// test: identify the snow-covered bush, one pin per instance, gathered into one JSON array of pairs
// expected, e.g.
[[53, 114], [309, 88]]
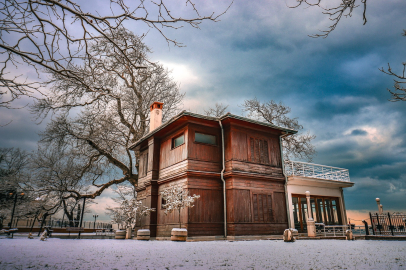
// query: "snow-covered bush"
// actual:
[[177, 198], [129, 208]]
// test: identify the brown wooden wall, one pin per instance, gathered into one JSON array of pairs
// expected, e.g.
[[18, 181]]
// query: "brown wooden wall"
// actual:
[[201, 151], [252, 150], [169, 156], [255, 206]]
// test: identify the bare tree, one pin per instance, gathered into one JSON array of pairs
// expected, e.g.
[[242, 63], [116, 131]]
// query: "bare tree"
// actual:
[[114, 99], [297, 145], [218, 110], [59, 176], [345, 9], [16, 195], [399, 91], [52, 35]]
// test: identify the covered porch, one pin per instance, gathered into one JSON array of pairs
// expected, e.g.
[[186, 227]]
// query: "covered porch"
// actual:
[[325, 184]]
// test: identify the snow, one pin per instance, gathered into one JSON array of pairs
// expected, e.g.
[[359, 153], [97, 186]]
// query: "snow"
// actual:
[[179, 230], [23, 253]]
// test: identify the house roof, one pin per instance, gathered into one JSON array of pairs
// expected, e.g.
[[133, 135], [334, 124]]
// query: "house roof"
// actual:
[[210, 118]]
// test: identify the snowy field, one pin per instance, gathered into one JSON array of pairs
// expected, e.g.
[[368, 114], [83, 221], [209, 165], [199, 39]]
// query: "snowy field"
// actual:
[[21, 253]]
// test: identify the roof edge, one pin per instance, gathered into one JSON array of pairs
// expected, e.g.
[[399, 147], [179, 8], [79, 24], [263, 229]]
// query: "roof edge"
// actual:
[[211, 118]]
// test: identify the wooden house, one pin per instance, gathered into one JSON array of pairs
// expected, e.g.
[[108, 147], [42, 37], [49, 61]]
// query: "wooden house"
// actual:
[[233, 163]]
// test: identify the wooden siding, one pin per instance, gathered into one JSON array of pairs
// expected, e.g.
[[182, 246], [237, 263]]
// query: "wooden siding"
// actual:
[[280, 207], [255, 206], [252, 151], [235, 165], [169, 156], [143, 164], [208, 208], [254, 180], [239, 205], [201, 151]]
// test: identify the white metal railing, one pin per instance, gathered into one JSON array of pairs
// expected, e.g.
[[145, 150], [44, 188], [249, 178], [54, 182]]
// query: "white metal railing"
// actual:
[[339, 230], [297, 168], [332, 230]]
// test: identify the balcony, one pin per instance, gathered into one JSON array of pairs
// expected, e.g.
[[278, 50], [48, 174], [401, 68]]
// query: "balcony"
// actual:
[[303, 169]]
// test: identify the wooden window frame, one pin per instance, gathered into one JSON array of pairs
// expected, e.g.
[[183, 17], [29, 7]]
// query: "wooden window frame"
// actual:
[[175, 137], [324, 212], [194, 139]]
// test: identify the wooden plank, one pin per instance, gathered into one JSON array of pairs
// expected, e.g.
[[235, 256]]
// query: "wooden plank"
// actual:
[[280, 207], [208, 208]]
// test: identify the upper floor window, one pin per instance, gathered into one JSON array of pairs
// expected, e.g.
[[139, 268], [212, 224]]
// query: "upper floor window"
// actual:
[[205, 138], [259, 151], [178, 140]]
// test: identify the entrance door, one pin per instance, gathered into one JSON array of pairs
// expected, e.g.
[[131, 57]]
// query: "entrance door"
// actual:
[[323, 210]]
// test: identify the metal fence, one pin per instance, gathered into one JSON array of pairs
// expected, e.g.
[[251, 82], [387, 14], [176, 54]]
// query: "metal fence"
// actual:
[[331, 230], [388, 224], [55, 223]]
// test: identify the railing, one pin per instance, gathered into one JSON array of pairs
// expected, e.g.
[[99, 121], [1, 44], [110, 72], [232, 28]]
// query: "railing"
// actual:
[[331, 230], [55, 223], [297, 168], [388, 224]]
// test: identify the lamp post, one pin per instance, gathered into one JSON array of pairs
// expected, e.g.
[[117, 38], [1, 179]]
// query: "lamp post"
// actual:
[[94, 224], [380, 207], [14, 206]]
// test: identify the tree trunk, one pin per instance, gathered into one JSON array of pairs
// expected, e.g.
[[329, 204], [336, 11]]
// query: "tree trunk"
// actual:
[[180, 224]]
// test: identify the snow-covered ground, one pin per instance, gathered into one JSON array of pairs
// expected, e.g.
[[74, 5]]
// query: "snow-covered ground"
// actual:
[[21, 253]]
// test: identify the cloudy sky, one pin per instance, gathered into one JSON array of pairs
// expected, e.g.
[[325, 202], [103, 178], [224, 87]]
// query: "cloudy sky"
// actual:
[[262, 49]]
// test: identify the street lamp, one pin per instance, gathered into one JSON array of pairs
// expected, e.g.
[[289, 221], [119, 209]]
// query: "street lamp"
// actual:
[[14, 206], [94, 225]]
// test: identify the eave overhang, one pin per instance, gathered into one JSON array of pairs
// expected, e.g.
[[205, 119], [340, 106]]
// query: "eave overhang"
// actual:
[[185, 115]]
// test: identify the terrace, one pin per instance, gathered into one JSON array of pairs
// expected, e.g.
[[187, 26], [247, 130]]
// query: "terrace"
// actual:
[[310, 170]]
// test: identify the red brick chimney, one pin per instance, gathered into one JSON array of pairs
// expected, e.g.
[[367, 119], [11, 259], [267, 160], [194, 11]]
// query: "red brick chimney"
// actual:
[[155, 115]]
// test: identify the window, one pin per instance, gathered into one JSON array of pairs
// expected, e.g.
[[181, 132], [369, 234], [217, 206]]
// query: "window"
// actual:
[[263, 212], [205, 138], [178, 141], [163, 202], [259, 151], [143, 168]]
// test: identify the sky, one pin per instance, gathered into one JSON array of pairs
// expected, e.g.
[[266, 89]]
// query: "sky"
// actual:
[[262, 49]]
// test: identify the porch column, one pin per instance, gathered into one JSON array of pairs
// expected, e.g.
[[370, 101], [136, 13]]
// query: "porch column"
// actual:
[[311, 226]]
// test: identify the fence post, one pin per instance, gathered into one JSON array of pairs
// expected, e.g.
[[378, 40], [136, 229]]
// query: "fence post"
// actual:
[[366, 227], [372, 223], [390, 224], [379, 225]]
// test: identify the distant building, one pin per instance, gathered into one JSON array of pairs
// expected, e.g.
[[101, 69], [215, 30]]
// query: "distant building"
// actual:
[[188, 151]]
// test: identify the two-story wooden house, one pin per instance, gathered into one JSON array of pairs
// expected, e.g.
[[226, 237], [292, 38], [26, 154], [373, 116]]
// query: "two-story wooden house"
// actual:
[[233, 163]]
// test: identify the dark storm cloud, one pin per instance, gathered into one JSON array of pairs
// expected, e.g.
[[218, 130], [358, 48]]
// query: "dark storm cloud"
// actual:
[[358, 132]]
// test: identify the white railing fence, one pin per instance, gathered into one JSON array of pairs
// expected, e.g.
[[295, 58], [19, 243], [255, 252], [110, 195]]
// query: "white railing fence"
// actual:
[[297, 168], [338, 230]]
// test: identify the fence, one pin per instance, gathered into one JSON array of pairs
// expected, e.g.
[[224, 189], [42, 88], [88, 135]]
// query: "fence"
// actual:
[[331, 230], [387, 224], [338, 230], [55, 223]]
